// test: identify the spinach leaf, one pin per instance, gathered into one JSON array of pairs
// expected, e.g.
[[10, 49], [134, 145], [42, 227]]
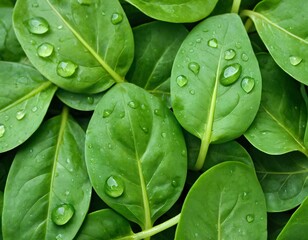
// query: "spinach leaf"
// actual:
[[25, 97], [280, 124], [48, 190], [234, 209], [216, 82], [81, 47], [280, 25], [131, 143]]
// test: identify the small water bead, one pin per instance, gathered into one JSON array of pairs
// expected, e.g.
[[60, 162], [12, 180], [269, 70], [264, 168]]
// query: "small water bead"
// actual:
[[250, 218], [35, 5], [66, 68], [132, 104], [244, 57], [198, 40], [145, 129], [2, 130], [294, 60], [247, 84], [37, 25], [238, 45], [192, 92], [60, 27], [107, 113], [84, 2], [62, 214], [116, 18], [230, 74], [34, 109], [229, 54], [194, 67], [45, 50], [20, 115], [181, 80], [90, 99], [213, 43], [114, 186], [59, 237], [122, 114], [164, 135]]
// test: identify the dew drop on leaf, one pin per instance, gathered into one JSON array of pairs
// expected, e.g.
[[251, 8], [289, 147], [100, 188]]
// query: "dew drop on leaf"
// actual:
[[45, 50], [244, 57], [84, 2], [194, 67], [37, 25], [192, 92], [250, 218], [107, 113], [35, 5], [181, 80], [238, 45], [230, 74], [2, 130], [62, 214], [164, 135], [116, 18], [229, 54], [90, 99], [294, 60], [247, 84], [20, 115], [66, 68], [114, 186], [213, 43], [34, 109], [145, 129], [132, 104]]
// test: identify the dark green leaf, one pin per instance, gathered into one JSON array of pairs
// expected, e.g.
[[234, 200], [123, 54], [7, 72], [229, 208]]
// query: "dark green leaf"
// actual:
[[25, 97], [131, 143], [47, 172]]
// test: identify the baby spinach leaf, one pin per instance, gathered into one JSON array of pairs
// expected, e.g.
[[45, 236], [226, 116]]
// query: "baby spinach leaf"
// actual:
[[283, 179], [81, 47], [280, 25], [25, 97], [48, 190], [175, 11], [280, 124], [216, 82], [131, 143], [226, 202], [104, 224]]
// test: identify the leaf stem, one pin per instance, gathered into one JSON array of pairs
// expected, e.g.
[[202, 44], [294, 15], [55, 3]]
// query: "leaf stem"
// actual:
[[235, 6], [248, 24], [202, 154]]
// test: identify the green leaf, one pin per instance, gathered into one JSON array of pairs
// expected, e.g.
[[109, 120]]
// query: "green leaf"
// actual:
[[104, 224], [25, 97], [48, 173], [297, 226], [175, 11], [131, 143], [280, 124], [207, 104], [283, 179], [280, 25], [90, 45], [226, 202]]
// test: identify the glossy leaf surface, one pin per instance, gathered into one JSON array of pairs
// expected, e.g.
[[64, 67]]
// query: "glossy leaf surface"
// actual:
[[25, 97], [47, 173], [280, 25], [175, 11], [91, 45], [226, 202], [133, 139], [280, 124]]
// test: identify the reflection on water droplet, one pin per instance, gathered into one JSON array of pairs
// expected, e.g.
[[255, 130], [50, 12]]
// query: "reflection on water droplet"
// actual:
[[294, 60], [90, 99], [181, 80], [132, 104], [116, 18], [244, 57], [250, 218], [229, 54], [84, 2], [114, 186], [37, 25], [62, 214], [194, 67], [2, 130], [20, 115], [45, 50], [230, 74], [213, 43], [107, 113], [66, 68], [247, 84]]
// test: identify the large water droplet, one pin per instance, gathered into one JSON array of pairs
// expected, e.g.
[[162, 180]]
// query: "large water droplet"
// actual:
[[181, 80], [116, 18], [45, 50], [294, 60], [229, 54], [66, 68], [62, 214], [2, 130], [114, 186], [107, 113], [247, 84], [230, 74], [37, 25], [244, 57], [84, 2], [194, 67], [213, 43], [20, 115], [250, 218]]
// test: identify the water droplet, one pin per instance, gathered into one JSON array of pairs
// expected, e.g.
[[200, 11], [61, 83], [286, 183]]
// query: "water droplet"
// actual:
[[34, 109], [250, 218], [84, 2], [181, 80], [229, 54], [122, 114], [145, 129], [107, 113], [164, 135], [174, 183], [35, 5], [132, 104], [244, 57], [238, 45], [32, 42], [198, 40], [114, 186], [66, 68], [230, 74], [6, 117], [245, 195], [62, 214], [59, 237], [60, 27], [20, 115], [213, 43], [90, 99], [294, 60], [116, 18], [45, 50], [37, 25], [2, 130], [194, 67], [192, 92], [247, 84]]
